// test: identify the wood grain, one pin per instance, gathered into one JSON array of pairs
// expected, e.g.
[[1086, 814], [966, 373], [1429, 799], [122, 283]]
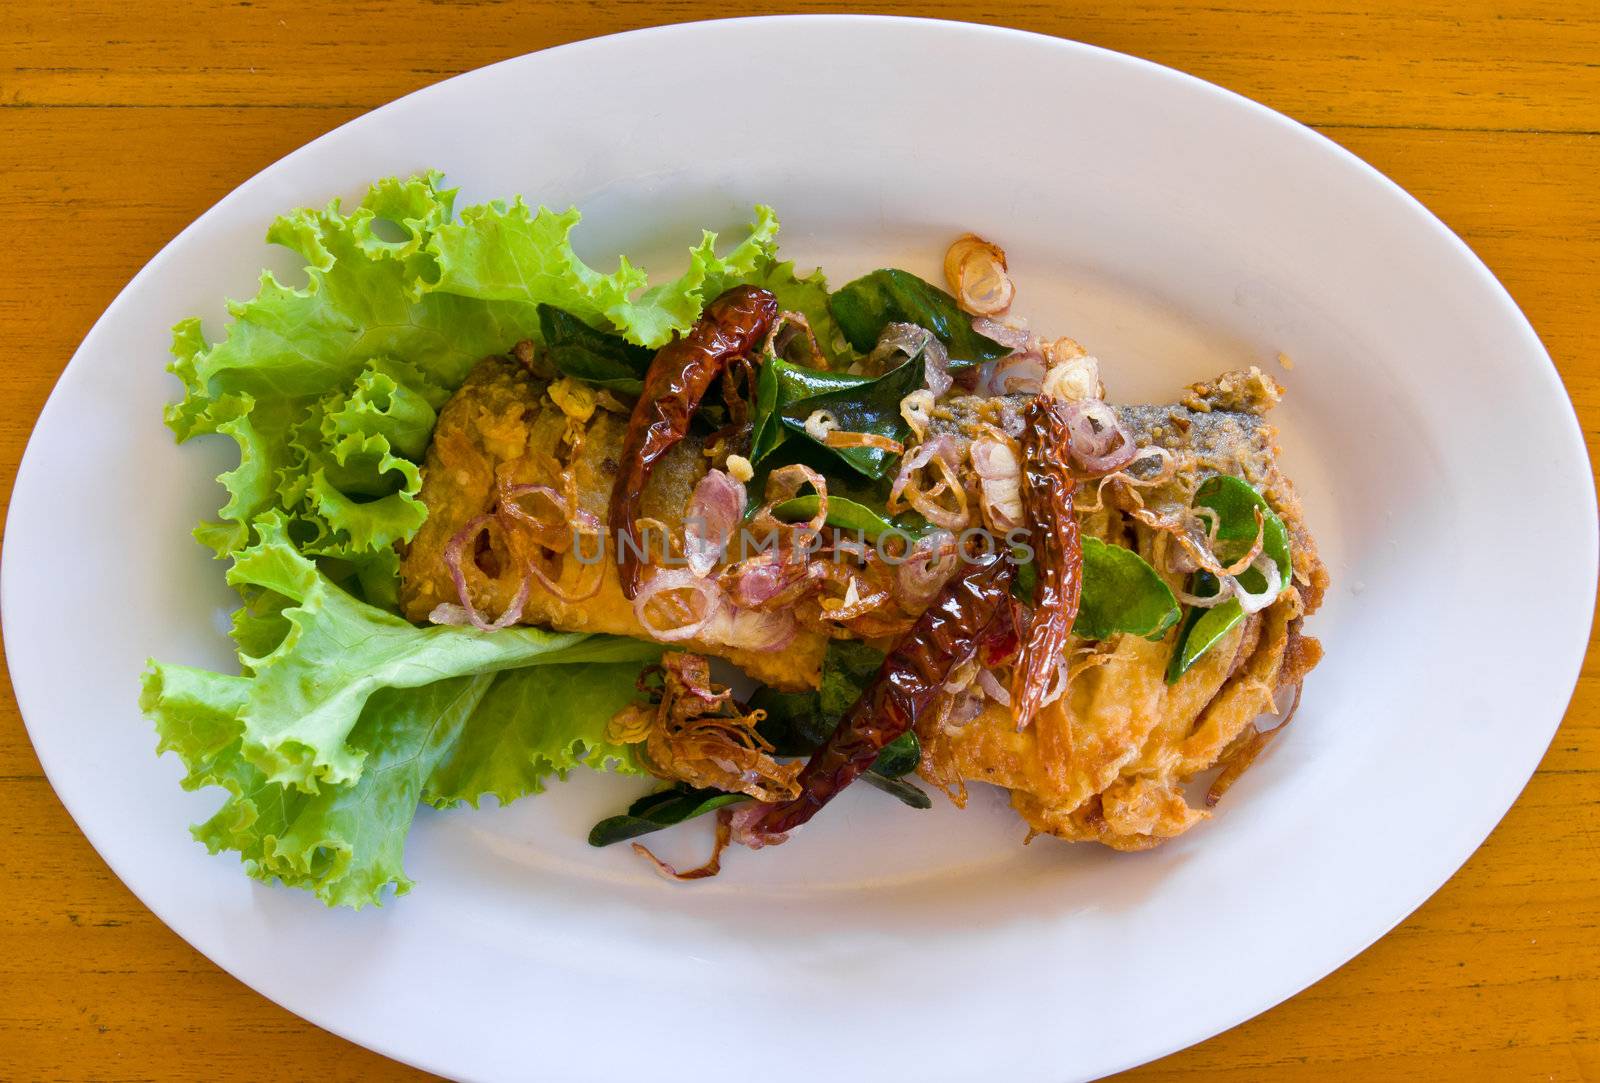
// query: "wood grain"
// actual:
[[120, 122]]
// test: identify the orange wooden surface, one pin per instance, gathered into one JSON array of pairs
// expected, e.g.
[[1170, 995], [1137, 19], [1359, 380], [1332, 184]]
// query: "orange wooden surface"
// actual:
[[120, 122]]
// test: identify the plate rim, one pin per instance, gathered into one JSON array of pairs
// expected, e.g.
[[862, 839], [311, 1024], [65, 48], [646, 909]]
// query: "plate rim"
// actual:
[[1575, 452]]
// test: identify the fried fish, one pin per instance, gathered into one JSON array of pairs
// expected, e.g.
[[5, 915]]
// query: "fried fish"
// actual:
[[506, 429]]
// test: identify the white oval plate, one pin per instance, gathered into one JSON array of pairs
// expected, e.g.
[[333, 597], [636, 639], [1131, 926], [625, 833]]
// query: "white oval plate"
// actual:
[[1175, 228]]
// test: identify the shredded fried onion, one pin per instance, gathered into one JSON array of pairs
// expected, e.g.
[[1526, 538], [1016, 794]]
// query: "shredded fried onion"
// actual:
[[791, 339], [1098, 441], [666, 607], [838, 438], [910, 487], [930, 561], [713, 864], [1183, 526], [957, 710], [715, 508], [854, 602], [1073, 379], [999, 481], [699, 735], [991, 685], [1018, 338], [570, 526], [467, 612], [1019, 373], [899, 342], [1256, 601]]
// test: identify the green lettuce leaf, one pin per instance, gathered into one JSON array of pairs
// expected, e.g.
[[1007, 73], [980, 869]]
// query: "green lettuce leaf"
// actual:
[[328, 389], [303, 699], [535, 723], [344, 717], [513, 254], [450, 741], [345, 843], [807, 295]]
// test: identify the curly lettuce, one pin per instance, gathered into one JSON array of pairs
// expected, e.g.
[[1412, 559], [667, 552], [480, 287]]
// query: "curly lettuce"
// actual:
[[329, 389], [344, 718]]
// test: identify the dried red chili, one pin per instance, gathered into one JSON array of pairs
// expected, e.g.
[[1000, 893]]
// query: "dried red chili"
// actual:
[[946, 635], [1002, 639], [1047, 495], [729, 329]]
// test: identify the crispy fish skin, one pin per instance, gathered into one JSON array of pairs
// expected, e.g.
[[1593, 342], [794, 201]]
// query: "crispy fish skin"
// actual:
[[503, 426], [1220, 427], [1109, 762]]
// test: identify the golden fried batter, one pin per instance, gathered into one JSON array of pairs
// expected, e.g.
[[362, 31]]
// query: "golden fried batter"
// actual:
[[504, 428], [1109, 761]]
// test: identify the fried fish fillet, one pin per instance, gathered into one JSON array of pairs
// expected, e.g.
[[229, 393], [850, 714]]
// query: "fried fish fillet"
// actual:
[[506, 427], [1110, 760]]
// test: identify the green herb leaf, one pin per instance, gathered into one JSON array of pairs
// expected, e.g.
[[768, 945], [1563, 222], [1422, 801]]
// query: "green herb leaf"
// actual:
[[842, 514], [797, 724], [595, 357], [898, 788], [1026, 581], [863, 308], [899, 757], [871, 407], [1235, 503], [782, 384], [1203, 628], [847, 669], [848, 515], [661, 809], [794, 724], [1121, 593]]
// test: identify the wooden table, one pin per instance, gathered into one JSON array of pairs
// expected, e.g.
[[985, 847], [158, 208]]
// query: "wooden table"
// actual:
[[120, 122]]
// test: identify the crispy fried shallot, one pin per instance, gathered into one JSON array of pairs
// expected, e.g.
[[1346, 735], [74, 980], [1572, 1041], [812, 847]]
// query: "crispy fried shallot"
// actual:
[[976, 272], [713, 864], [939, 456], [698, 734]]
